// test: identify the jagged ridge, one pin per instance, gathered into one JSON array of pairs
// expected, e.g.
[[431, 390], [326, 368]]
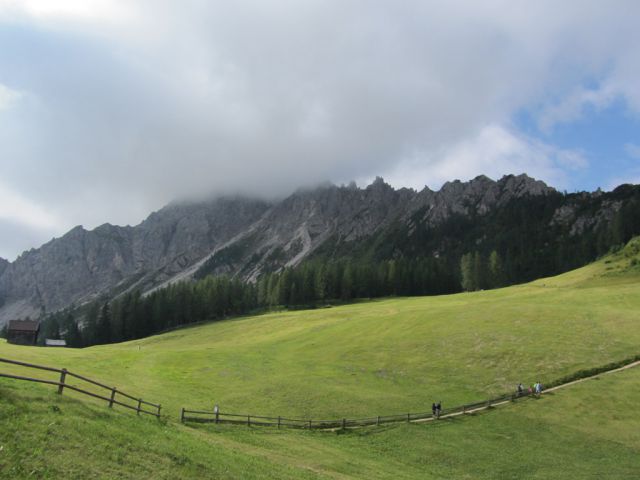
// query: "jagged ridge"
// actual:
[[244, 237]]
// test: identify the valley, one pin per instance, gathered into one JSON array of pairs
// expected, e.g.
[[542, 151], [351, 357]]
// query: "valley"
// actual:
[[368, 358]]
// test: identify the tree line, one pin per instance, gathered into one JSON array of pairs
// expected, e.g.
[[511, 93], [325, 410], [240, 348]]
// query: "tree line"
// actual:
[[515, 244], [132, 315], [479, 273]]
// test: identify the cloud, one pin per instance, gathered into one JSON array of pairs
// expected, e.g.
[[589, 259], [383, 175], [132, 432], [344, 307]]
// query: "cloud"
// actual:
[[573, 106], [65, 10], [495, 151], [19, 209], [23, 223], [8, 97], [126, 105]]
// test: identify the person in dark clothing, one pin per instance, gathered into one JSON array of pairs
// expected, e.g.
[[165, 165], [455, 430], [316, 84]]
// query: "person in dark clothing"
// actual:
[[438, 409], [434, 409]]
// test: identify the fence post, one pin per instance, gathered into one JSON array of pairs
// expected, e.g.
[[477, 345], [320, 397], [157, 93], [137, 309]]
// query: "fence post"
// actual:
[[139, 405], [217, 416], [159, 407], [344, 423], [248, 420], [309, 424], [378, 421], [113, 397], [464, 409], [408, 416], [63, 376], [182, 415]]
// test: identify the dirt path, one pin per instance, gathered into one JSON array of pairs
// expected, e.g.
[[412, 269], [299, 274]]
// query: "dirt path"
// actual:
[[634, 364], [552, 389], [454, 412]]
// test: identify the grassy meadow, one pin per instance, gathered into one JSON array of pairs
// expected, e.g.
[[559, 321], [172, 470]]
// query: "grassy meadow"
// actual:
[[366, 359], [589, 430]]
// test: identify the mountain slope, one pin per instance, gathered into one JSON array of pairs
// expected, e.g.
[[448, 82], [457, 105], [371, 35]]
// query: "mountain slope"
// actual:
[[521, 218], [587, 431], [84, 264], [381, 356], [388, 356]]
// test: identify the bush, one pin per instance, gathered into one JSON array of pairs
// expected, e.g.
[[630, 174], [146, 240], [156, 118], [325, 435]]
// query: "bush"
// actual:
[[593, 371]]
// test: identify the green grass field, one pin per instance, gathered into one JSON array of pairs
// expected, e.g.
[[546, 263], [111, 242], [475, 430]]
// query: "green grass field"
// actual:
[[380, 357]]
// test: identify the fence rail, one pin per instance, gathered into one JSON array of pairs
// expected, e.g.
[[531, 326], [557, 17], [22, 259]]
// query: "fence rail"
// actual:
[[63, 383], [206, 416], [220, 417]]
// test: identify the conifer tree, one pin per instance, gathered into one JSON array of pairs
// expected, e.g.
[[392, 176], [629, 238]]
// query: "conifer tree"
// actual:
[[320, 284], [479, 272], [103, 326], [496, 271], [72, 335], [467, 272]]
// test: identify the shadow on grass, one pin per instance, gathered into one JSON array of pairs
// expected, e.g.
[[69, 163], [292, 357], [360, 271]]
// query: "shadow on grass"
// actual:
[[34, 400]]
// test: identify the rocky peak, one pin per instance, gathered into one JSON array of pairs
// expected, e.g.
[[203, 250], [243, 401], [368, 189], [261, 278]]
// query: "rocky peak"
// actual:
[[521, 185], [379, 184], [476, 196], [76, 231], [451, 188]]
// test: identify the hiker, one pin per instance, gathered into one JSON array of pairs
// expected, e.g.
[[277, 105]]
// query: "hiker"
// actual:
[[438, 409], [520, 389], [434, 409], [538, 388], [530, 390]]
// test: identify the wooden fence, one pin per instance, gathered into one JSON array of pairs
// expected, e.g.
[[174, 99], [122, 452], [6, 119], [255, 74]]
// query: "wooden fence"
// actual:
[[203, 416], [62, 383]]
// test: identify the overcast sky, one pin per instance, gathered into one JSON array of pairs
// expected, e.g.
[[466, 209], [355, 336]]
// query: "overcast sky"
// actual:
[[110, 109]]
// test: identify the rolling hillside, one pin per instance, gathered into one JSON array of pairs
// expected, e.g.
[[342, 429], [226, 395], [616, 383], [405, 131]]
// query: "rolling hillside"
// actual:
[[381, 357], [587, 431]]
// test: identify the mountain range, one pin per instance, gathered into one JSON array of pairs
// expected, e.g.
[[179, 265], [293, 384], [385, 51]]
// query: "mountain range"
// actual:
[[245, 237]]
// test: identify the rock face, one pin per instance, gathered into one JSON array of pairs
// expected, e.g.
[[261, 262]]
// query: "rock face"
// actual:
[[3, 265], [83, 264], [243, 237], [294, 228], [478, 196]]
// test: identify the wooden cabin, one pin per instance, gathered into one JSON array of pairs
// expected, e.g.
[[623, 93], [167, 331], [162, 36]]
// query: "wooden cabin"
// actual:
[[23, 332]]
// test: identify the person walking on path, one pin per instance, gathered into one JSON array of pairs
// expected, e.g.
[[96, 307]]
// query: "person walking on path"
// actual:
[[434, 409], [438, 409], [538, 388]]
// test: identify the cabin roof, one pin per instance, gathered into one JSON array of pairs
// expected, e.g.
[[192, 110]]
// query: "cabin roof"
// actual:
[[24, 325]]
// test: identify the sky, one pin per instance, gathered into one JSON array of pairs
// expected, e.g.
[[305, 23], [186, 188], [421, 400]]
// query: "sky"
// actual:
[[110, 109]]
